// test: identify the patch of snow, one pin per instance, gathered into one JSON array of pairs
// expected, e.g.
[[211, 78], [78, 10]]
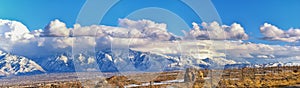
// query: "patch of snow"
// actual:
[[108, 57], [91, 60], [64, 59], [156, 83], [15, 65]]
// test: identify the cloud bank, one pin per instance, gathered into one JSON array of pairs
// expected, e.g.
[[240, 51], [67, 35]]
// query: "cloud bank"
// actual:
[[215, 31], [13, 30], [272, 32], [57, 38], [56, 29]]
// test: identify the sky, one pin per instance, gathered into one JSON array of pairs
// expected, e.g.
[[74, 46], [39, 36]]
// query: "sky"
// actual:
[[251, 14]]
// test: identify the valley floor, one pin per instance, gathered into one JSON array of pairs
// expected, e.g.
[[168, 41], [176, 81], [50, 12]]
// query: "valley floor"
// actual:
[[193, 78]]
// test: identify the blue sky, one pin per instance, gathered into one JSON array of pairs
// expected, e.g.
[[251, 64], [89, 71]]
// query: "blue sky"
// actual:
[[251, 14]]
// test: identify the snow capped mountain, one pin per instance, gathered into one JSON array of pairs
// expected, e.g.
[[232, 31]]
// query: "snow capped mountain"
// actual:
[[277, 64], [58, 63], [134, 46], [125, 60], [116, 60], [271, 64], [17, 65]]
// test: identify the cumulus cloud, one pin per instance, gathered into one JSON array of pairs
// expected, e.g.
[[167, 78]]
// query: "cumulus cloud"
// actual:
[[272, 32], [56, 28], [144, 25], [93, 30], [57, 38], [215, 31], [146, 28], [13, 30], [62, 42], [233, 50], [127, 29], [257, 53]]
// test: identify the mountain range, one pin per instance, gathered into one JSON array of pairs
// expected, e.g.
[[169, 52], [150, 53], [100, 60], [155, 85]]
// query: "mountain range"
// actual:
[[138, 46], [107, 61]]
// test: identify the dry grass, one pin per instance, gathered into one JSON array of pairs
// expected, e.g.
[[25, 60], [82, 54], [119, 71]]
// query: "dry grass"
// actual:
[[247, 77]]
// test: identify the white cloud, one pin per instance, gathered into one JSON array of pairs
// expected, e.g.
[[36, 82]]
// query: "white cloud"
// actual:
[[262, 51], [93, 30], [144, 25], [56, 37], [234, 50], [147, 28], [127, 29], [215, 31], [56, 28], [144, 32], [13, 30], [266, 56], [272, 32], [62, 42]]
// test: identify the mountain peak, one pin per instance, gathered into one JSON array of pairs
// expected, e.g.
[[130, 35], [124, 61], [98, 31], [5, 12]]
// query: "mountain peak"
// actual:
[[18, 65]]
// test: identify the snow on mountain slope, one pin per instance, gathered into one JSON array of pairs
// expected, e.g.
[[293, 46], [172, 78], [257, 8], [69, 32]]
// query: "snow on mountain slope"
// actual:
[[133, 60], [149, 47], [276, 64], [17, 65], [129, 60], [56, 63], [125, 60]]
